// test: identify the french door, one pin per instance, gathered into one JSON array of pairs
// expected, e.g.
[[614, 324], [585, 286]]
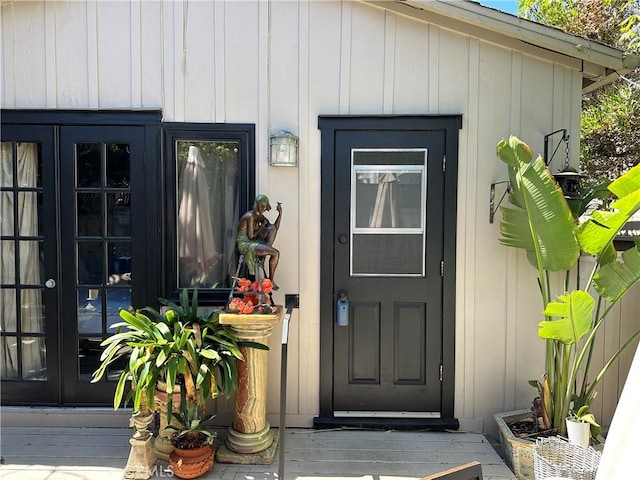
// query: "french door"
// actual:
[[69, 259]]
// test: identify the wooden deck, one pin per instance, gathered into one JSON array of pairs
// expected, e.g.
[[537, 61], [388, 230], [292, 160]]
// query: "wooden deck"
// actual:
[[59, 452]]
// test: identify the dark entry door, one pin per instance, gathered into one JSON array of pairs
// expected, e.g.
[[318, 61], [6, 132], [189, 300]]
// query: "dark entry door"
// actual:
[[388, 222], [391, 329]]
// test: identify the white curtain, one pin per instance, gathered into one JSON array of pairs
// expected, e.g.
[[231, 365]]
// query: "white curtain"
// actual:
[[385, 196], [196, 248], [30, 301]]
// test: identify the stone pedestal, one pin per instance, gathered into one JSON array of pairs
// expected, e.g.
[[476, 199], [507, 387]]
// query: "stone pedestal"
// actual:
[[250, 432], [142, 459]]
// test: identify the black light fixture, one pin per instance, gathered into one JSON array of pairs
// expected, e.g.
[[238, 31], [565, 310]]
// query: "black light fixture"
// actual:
[[568, 179], [492, 198]]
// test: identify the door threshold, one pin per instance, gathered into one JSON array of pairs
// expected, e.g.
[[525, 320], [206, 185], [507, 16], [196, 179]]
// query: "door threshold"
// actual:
[[370, 414], [392, 423]]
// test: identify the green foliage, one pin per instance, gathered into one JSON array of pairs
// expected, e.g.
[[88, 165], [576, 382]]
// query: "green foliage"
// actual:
[[583, 415], [610, 130], [180, 347], [610, 126], [541, 223], [600, 20], [192, 432]]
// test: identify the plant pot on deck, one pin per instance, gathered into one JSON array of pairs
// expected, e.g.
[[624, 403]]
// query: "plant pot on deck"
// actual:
[[191, 463], [518, 452]]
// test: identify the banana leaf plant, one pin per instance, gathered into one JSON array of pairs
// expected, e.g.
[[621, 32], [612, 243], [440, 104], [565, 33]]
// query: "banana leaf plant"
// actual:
[[180, 347], [541, 222]]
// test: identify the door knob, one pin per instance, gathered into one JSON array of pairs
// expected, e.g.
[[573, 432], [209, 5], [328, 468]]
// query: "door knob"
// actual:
[[342, 239], [50, 283]]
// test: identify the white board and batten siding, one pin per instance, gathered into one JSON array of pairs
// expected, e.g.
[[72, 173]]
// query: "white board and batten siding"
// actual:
[[280, 64]]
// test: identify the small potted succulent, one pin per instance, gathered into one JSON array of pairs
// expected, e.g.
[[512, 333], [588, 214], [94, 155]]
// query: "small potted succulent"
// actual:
[[192, 441]]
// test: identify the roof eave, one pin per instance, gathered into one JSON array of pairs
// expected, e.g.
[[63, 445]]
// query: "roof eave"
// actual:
[[611, 60]]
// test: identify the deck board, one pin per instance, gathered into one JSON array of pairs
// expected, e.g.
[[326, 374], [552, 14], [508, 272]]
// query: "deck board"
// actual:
[[75, 453]]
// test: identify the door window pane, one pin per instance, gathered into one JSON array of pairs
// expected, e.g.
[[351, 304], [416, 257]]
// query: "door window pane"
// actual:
[[118, 215], [118, 160], [33, 358], [208, 207], [88, 165], [32, 314], [388, 212], [8, 262], [10, 370], [89, 351], [89, 304], [89, 214], [28, 208], [90, 263]]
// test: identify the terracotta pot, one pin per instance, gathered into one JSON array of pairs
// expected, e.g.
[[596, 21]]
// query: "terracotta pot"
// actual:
[[191, 463]]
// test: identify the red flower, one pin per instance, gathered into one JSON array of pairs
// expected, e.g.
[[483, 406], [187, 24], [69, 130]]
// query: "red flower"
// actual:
[[243, 285], [248, 308], [254, 297], [251, 297], [267, 286]]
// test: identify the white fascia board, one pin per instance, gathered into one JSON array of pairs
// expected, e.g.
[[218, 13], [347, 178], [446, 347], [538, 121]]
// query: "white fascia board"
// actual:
[[526, 31]]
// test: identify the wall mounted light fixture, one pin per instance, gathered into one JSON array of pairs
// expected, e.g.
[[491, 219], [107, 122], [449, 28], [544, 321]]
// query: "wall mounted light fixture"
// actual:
[[568, 179], [283, 149]]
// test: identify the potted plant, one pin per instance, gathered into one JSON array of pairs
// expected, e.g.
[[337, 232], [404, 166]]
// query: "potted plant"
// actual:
[[179, 351], [581, 426], [192, 441], [541, 221]]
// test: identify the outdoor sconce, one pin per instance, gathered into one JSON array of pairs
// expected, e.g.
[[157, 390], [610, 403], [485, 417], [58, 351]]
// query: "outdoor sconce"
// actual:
[[283, 149], [568, 179]]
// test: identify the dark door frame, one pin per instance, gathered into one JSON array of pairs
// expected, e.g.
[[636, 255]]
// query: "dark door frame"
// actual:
[[329, 125], [146, 251]]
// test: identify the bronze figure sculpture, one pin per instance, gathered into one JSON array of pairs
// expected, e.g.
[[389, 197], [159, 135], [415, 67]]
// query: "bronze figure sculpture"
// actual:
[[256, 236]]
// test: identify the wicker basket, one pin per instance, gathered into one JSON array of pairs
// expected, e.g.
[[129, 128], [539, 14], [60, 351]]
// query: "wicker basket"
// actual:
[[555, 457]]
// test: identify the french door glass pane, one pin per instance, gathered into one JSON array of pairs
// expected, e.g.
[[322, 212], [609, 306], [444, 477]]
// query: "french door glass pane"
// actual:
[[208, 203], [89, 214], [88, 164]]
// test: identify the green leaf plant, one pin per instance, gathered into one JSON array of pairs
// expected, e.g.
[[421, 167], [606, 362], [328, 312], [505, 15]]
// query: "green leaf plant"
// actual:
[[541, 221], [583, 415], [178, 350]]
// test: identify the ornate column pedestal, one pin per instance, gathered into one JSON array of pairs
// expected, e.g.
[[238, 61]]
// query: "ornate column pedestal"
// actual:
[[250, 439], [142, 459]]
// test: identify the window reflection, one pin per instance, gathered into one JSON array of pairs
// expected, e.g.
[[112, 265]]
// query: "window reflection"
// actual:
[[208, 204]]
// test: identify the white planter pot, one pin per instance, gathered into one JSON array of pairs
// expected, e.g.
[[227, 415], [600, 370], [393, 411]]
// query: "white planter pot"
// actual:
[[579, 433]]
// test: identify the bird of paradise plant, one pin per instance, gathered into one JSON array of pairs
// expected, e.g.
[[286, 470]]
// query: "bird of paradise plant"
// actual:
[[541, 222]]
